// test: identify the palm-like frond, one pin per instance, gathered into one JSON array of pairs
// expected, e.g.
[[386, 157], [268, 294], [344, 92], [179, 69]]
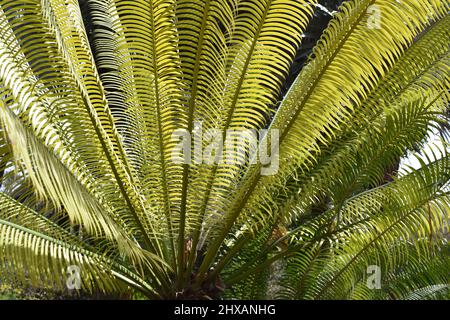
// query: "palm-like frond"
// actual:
[[91, 95]]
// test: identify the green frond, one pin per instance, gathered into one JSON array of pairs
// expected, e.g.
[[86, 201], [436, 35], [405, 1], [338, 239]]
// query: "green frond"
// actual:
[[256, 65], [73, 88], [31, 257], [303, 189], [303, 111], [143, 82], [95, 96], [38, 250], [418, 278], [416, 217], [53, 181]]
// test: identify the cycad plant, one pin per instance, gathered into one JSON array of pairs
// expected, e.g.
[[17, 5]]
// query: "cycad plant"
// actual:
[[94, 92]]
